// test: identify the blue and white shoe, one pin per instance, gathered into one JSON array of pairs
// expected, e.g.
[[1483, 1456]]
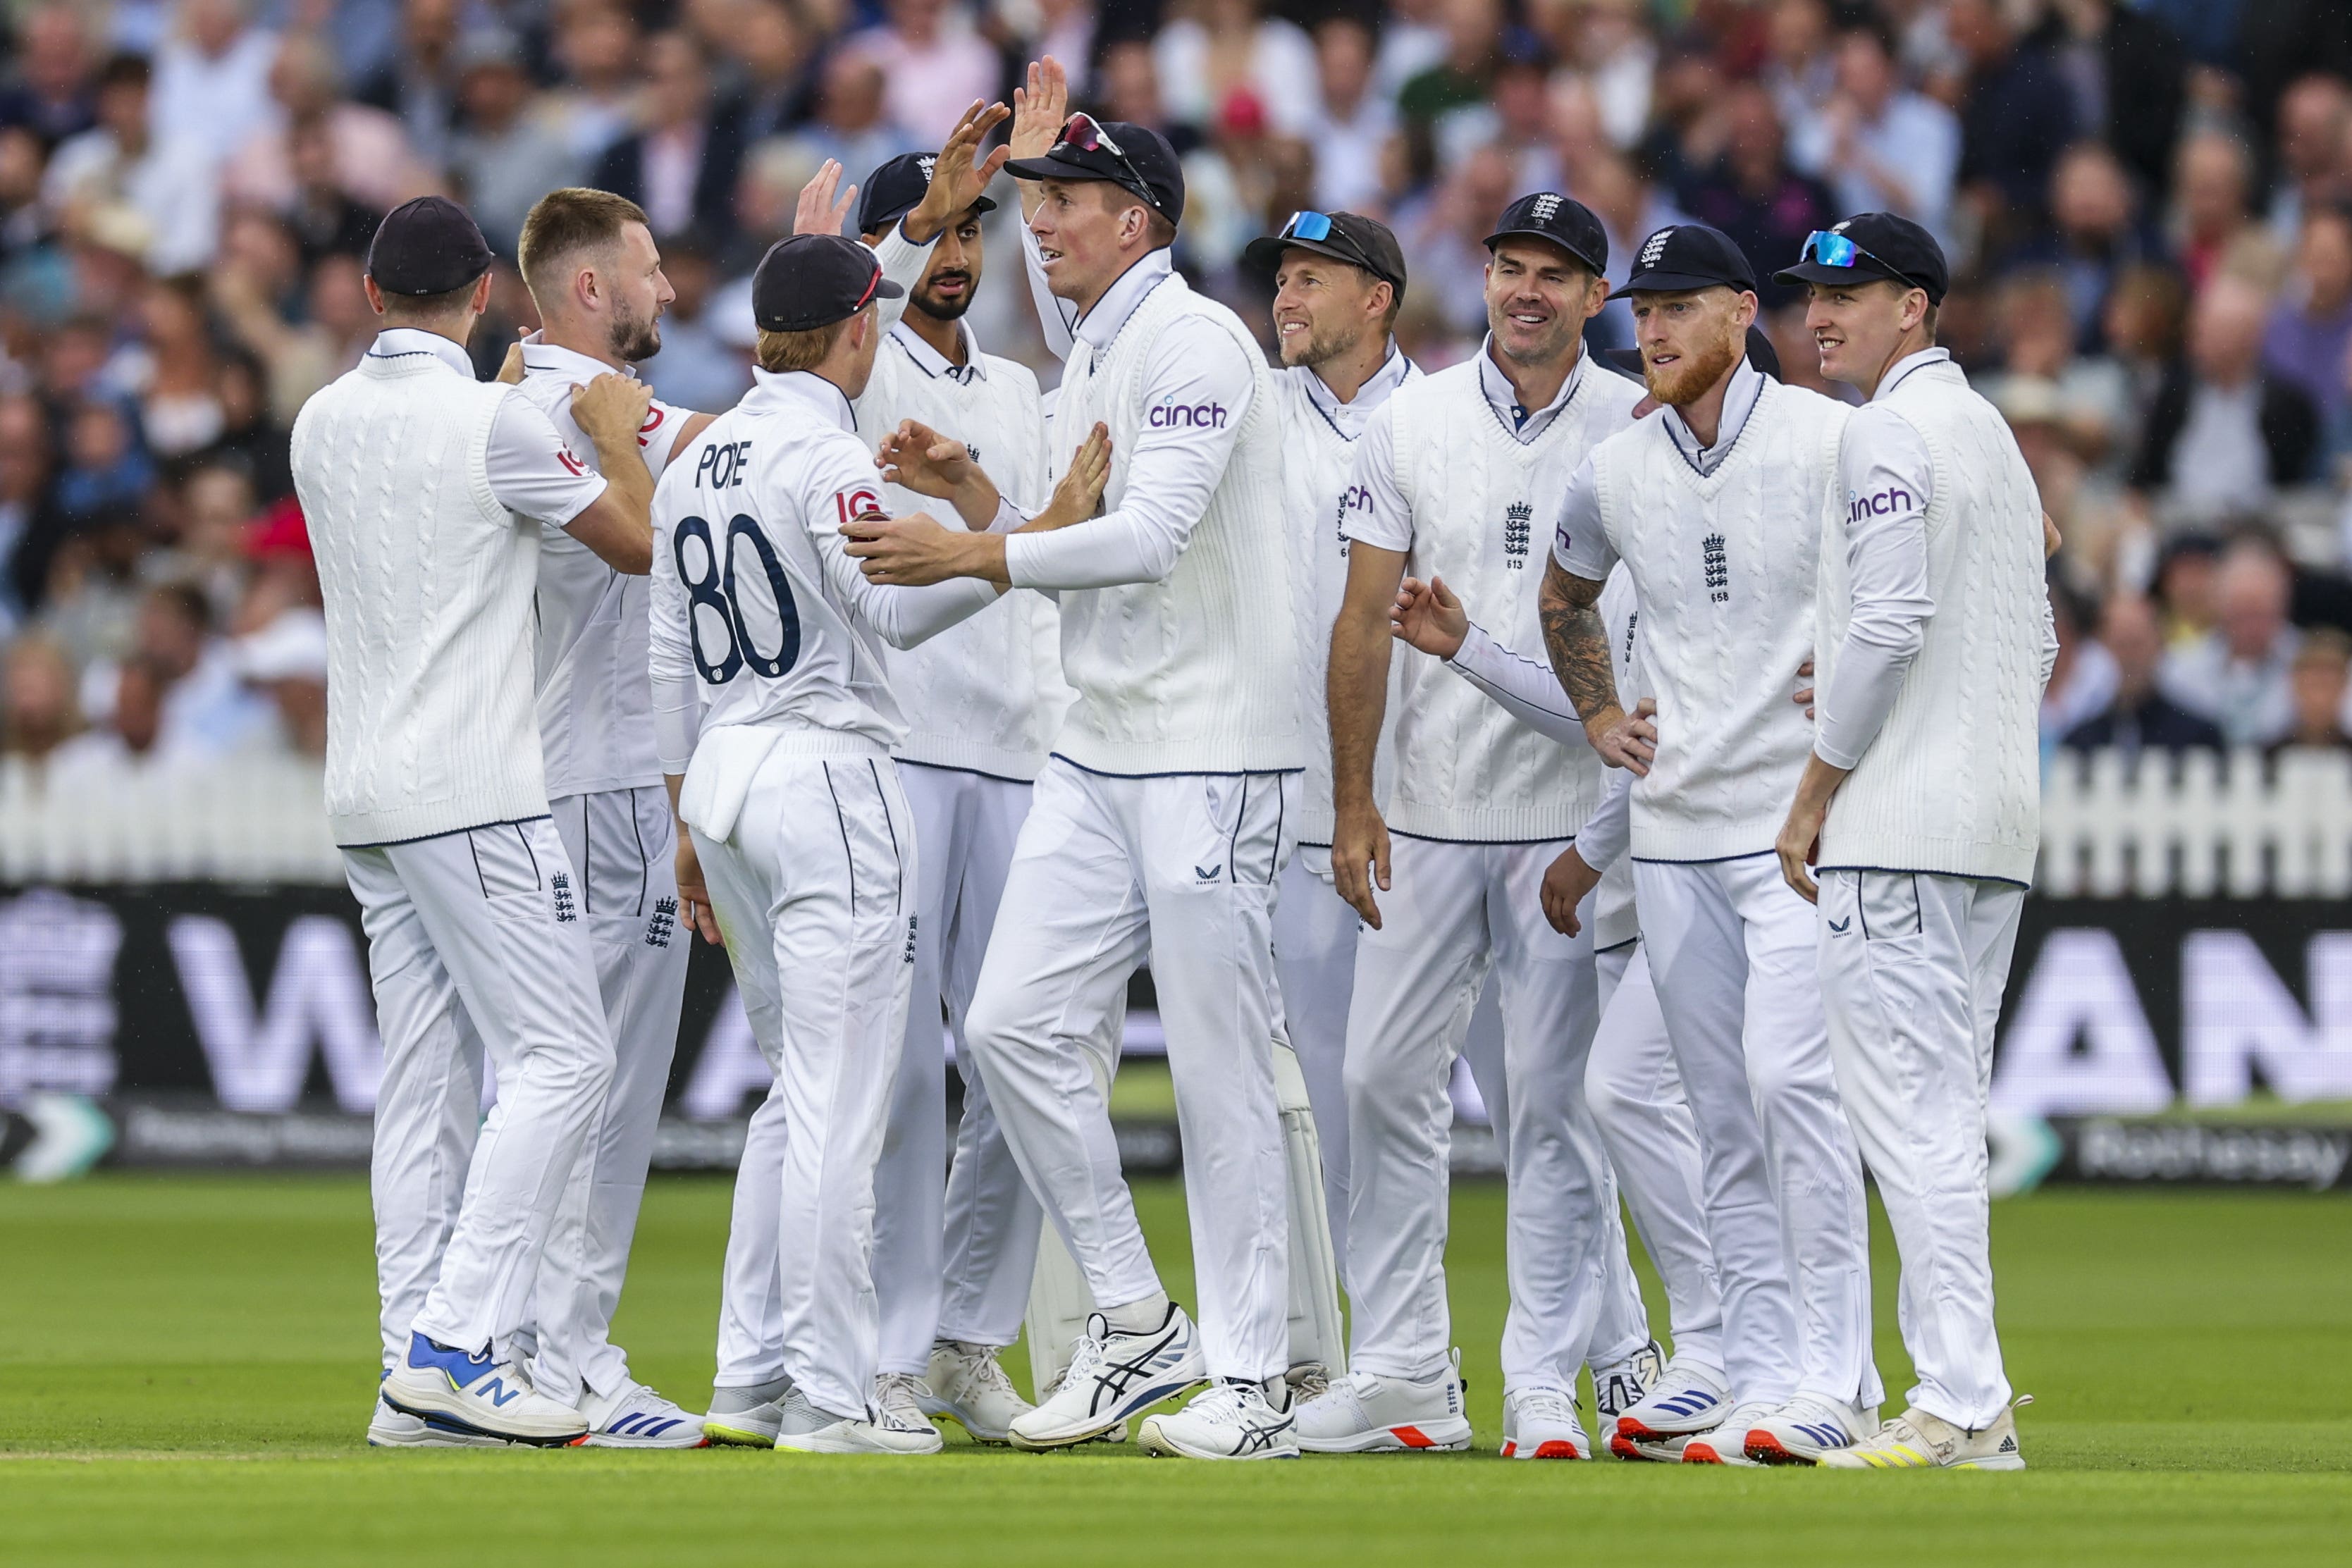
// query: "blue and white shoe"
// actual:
[[1686, 1399], [391, 1429], [1726, 1444], [1114, 1375], [1618, 1386], [1231, 1419], [1808, 1427], [637, 1417], [478, 1393]]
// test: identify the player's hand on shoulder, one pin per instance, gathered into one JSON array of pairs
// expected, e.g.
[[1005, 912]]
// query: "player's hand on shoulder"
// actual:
[[1565, 884], [510, 368], [611, 409], [920, 459], [1427, 616], [1079, 493], [1628, 740]]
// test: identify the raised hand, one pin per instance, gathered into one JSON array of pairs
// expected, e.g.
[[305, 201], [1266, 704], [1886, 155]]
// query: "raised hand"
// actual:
[[817, 213], [1041, 107], [1079, 493], [1427, 616], [957, 180], [922, 460]]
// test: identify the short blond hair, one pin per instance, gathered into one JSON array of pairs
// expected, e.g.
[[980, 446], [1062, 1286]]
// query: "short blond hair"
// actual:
[[565, 222], [803, 350]]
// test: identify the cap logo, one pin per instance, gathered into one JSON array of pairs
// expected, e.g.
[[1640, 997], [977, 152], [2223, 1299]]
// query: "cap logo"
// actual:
[[926, 162], [1546, 206], [1842, 225], [1656, 247]]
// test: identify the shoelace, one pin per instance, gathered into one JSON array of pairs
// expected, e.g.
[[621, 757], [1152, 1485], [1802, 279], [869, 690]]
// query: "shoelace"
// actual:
[[1549, 1404], [976, 1364], [904, 1384], [1085, 1360], [1313, 1383]]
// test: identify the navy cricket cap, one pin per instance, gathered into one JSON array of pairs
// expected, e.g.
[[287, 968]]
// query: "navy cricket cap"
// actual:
[[429, 245], [1562, 220], [897, 188], [1869, 245], [1350, 238], [1135, 158], [814, 280], [1690, 255]]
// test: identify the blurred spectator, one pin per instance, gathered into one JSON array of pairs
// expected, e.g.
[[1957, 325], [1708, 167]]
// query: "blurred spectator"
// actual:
[[2317, 687], [2092, 398], [129, 736], [2311, 325], [2127, 74], [1618, 62], [298, 358], [1414, 37], [503, 159], [2236, 675], [850, 124], [596, 43], [775, 57], [2141, 717], [105, 470], [216, 507], [325, 219], [681, 165], [2082, 680], [1880, 146], [286, 662], [2222, 435], [1227, 47], [178, 378], [1752, 195], [2096, 233], [2212, 223], [212, 78], [420, 85], [37, 710], [1630, 210], [2016, 113], [934, 64], [30, 526], [49, 92], [2143, 323], [1445, 242], [1685, 125], [207, 710], [2314, 141], [696, 369], [1066, 29], [166, 187], [1348, 124], [1516, 120], [1128, 89], [2185, 576], [367, 157], [1802, 67], [1474, 31]]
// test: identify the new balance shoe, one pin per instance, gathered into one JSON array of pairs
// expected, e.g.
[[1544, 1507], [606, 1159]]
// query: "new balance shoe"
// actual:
[[1619, 1385], [478, 1394], [391, 1429], [898, 1401], [747, 1418], [1233, 1419], [805, 1429], [1366, 1413], [967, 1386], [637, 1417], [1114, 1374], [1726, 1444], [1916, 1441], [1807, 1428], [1687, 1398], [1541, 1423]]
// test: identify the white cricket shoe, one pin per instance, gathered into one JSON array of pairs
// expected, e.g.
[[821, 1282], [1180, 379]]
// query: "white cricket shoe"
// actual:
[[1309, 1380], [1366, 1413], [1688, 1398], [634, 1417], [391, 1429], [1541, 1423], [1619, 1385], [1654, 1450], [1114, 1375], [478, 1394], [1916, 1441], [748, 1417], [967, 1386], [1231, 1418], [1805, 1428], [1727, 1444], [805, 1429], [898, 1401]]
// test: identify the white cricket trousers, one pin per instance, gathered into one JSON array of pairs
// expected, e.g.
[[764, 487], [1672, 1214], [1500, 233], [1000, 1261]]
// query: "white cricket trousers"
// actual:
[[1637, 1102], [953, 1254], [623, 844], [475, 945], [1913, 965], [1452, 912], [1181, 867], [1737, 975], [815, 893]]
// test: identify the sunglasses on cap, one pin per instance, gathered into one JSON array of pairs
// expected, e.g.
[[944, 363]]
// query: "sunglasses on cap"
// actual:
[[1836, 250], [1317, 228], [1086, 133]]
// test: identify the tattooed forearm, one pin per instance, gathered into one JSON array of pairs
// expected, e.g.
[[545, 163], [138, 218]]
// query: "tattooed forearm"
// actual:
[[1577, 641]]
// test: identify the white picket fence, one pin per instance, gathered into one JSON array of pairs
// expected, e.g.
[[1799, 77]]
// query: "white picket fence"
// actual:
[[245, 820]]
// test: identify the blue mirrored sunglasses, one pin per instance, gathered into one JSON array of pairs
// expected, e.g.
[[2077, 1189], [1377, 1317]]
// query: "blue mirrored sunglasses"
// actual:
[[1836, 250], [1312, 227]]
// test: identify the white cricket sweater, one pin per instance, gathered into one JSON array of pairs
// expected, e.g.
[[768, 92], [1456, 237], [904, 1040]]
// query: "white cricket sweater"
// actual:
[[1725, 566], [427, 584], [1952, 782], [1196, 672], [986, 696], [1467, 770]]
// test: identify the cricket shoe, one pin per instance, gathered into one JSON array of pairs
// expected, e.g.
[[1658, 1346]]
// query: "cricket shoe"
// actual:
[[1621, 1384], [1367, 1413], [805, 1429], [1114, 1374], [1687, 1398], [898, 1401], [637, 1417], [748, 1417], [391, 1429], [1233, 1419], [1113, 1436], [1916, 1441], [1541, 1423], [1651, 1450], [1727, 1444], [478, 1394], [1309, 1380], [1807, 1428], [967, 1386]]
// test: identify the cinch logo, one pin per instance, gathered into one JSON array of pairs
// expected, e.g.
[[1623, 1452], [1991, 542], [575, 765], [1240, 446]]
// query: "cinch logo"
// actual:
[[1893, 498], [1169, 414]]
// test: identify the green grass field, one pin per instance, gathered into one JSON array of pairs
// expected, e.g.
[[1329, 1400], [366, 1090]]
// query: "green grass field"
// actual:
[[187, 1364]]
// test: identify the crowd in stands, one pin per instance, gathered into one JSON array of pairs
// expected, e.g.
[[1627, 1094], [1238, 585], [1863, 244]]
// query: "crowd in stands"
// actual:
[[2149, 209]]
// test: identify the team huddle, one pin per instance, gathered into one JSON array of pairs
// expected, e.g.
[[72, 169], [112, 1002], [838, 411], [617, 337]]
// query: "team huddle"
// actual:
[[933, 699]]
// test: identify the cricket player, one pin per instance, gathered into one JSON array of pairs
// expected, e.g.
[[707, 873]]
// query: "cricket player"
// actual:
[[595, 276], [1920, 803], [981, 704], [1630, 1082], [1451, 472], [1162, 823], [1715, 507], [425, 493]]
